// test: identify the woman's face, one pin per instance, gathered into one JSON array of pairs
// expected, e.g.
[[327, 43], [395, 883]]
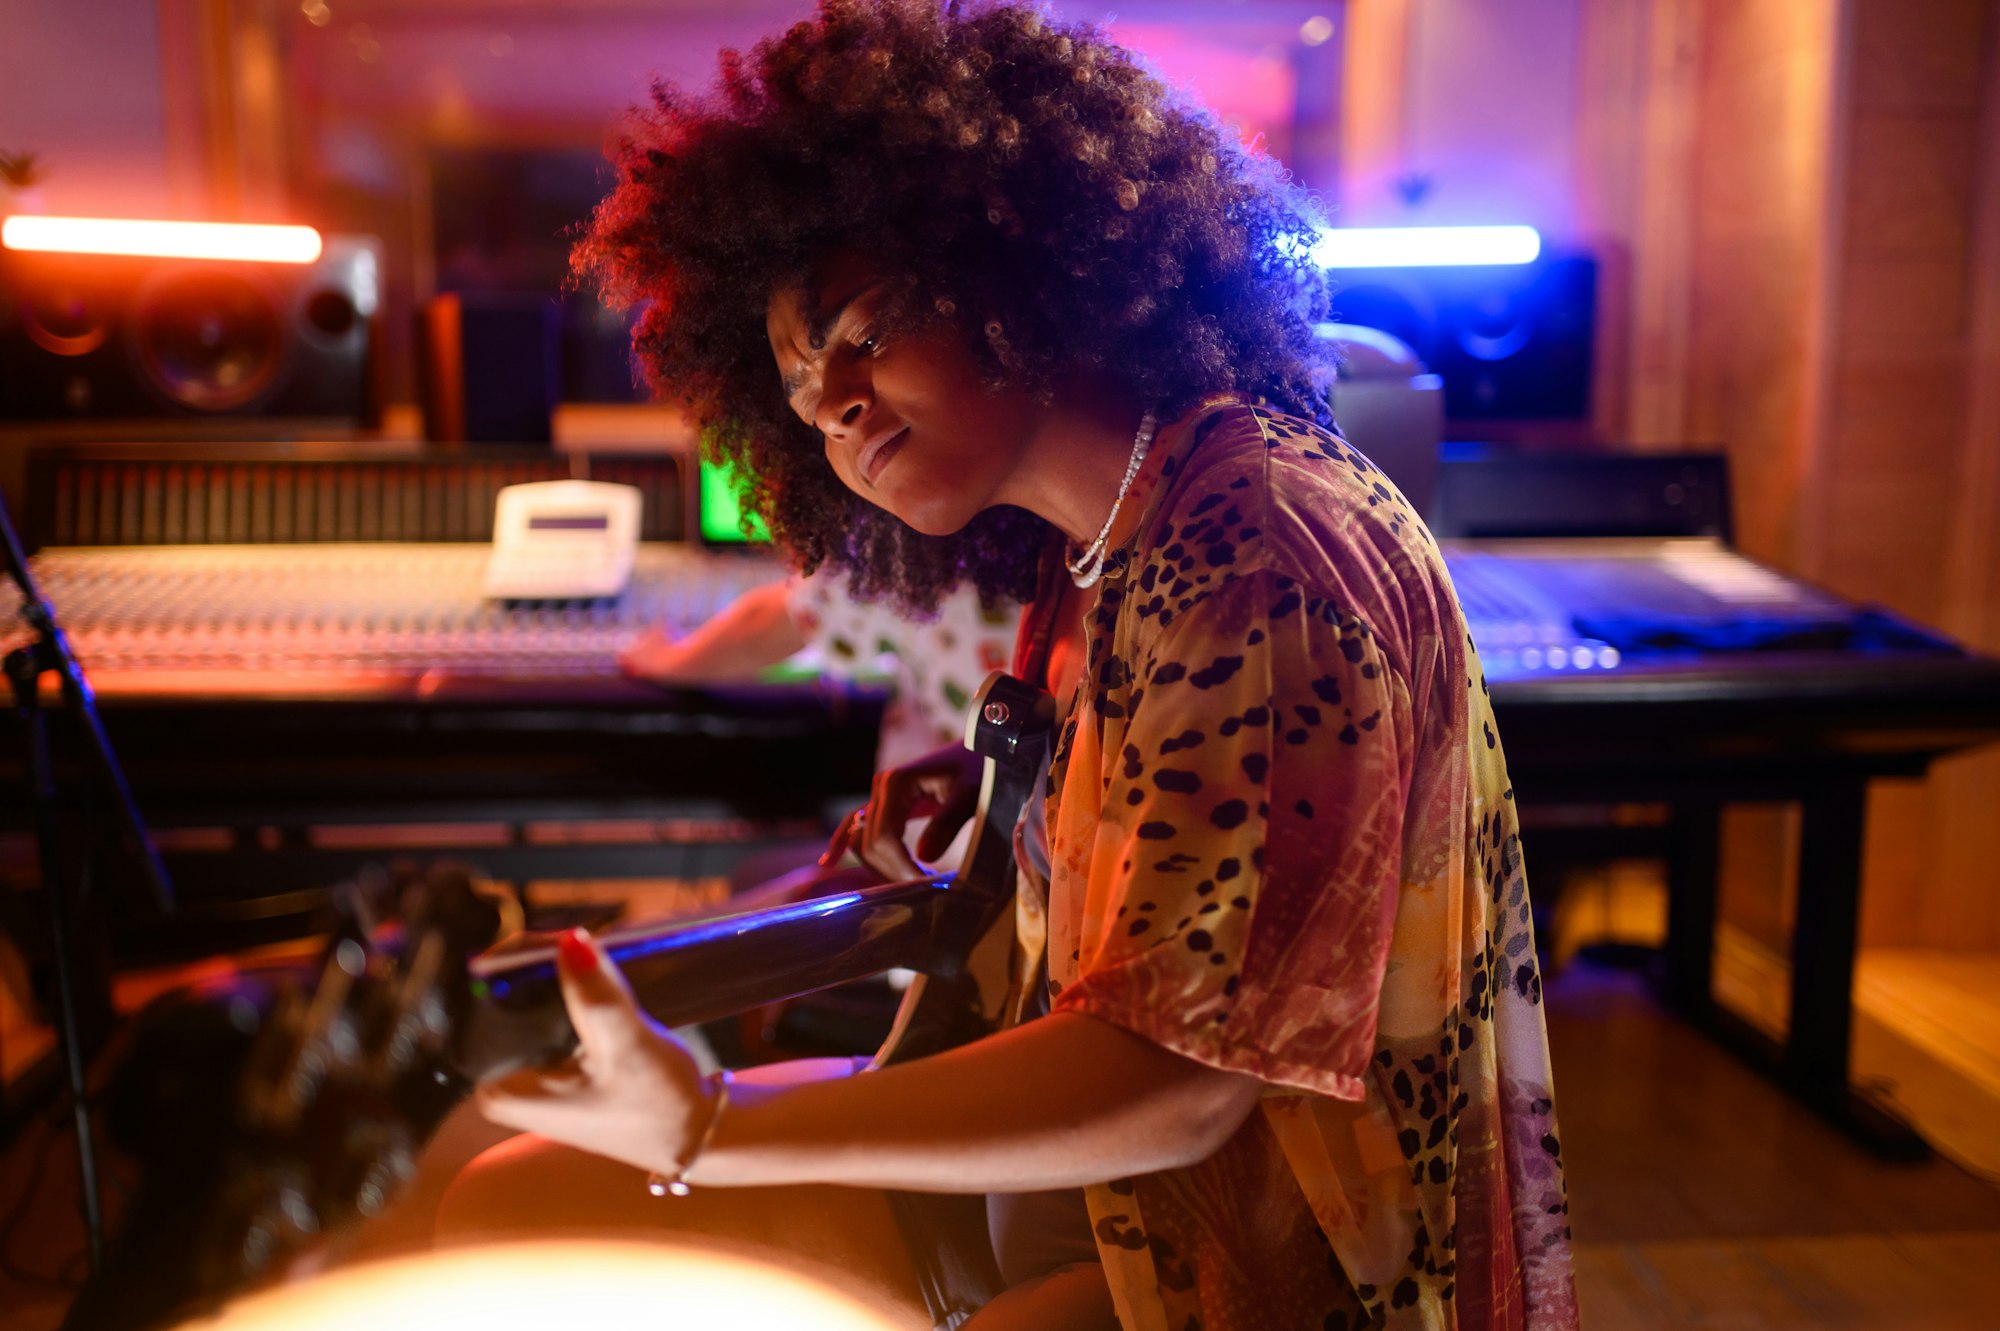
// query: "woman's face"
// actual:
[[908, 424]]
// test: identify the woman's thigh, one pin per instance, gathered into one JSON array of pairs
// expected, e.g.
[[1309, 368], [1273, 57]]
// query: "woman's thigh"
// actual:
[[846, 1237]]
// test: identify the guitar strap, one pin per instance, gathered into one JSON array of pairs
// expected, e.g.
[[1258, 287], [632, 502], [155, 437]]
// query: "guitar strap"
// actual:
[[1036, 637]]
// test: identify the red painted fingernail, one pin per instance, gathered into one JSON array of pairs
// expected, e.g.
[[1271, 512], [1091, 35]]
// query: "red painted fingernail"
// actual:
[[577, 951]]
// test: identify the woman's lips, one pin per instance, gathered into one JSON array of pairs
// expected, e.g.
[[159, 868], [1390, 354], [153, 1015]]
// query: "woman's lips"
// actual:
[[878, 457]]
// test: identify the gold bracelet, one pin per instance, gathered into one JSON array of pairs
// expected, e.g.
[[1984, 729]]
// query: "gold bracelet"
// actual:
[[661, 1184]]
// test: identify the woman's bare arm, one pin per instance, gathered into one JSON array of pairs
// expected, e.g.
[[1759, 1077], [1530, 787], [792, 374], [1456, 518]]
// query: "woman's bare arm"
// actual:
[[1063, 1101], [753, 632], [1059, 1102]]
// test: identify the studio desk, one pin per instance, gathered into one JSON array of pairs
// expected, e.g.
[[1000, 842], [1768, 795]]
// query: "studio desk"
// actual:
[[1673, 670], [288, 712], [289, 701], [296, 665]]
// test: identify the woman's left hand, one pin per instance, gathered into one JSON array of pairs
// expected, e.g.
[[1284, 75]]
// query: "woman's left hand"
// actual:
[[631, 1091], [655, 654], [943, 786]]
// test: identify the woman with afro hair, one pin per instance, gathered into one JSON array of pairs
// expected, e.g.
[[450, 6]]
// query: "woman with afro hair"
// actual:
[[969, 295]]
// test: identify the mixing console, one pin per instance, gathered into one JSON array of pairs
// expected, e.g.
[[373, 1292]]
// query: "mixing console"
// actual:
[[1542, 608], [374, 611], [356, 616]]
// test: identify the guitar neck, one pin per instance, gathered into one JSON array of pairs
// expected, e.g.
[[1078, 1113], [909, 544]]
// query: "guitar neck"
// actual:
[[697, 972], [716, 968]]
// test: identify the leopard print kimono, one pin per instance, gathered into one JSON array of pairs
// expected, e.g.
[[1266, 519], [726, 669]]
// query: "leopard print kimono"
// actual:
[[1282, 842]]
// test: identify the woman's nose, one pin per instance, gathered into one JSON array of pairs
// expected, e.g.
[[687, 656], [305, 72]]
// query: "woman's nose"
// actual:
[[843, 402]]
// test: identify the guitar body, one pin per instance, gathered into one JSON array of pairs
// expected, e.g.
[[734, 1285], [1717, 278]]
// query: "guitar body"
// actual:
[[272, 1110]]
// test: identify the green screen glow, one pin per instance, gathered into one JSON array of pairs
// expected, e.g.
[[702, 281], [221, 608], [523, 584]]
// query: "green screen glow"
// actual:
[[721, 511]]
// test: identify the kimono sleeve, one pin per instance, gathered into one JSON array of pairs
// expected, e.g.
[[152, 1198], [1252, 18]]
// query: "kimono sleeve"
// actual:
[[1240, 876]]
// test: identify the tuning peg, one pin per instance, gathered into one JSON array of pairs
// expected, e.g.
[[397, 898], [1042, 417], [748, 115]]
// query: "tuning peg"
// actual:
[[260, 1245], [384, 1180], [298, 1212]]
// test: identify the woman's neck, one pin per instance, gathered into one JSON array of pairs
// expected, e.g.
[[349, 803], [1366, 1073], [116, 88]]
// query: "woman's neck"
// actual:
[[1074, 462]]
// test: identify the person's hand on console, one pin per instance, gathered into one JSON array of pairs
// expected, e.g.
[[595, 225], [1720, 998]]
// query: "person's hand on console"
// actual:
[[942, 785], [751, 634], [653, 655]]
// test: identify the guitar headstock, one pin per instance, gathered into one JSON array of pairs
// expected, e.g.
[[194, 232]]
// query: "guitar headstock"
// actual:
[[348, 1076], [278, 1104]]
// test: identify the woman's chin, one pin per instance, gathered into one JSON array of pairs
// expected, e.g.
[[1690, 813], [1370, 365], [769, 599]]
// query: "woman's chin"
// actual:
[[936, 517], [942, 526]]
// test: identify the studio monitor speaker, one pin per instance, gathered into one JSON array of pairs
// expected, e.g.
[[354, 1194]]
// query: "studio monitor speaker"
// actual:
[[1512, 343], [111, 337]]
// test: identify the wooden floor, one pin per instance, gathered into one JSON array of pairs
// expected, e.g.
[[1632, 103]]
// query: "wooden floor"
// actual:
[[1700, 1197], [1926, 1021]]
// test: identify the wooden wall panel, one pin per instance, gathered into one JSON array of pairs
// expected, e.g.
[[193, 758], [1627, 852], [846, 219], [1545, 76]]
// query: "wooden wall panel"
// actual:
[[1897, 421], [1762, 163], [226, 107], [1973, 571], [1962, 904], [1811, 207], [1957, 901], [1757, 869], [1639, 73], [1898, 439], [1374, 78]]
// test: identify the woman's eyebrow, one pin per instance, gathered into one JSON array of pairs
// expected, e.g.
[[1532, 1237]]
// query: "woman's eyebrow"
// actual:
[[823, 324]]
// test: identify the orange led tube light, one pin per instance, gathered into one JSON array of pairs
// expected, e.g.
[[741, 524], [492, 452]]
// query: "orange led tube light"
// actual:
[[166, 240]]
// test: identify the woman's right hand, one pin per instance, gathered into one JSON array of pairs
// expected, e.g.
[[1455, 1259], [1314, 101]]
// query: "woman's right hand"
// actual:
[[942, 786]]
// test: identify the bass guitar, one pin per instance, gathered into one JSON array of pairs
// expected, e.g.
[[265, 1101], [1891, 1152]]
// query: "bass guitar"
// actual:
[[270, 1110]]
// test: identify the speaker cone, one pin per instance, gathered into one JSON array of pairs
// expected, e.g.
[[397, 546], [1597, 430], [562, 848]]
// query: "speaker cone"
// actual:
[[209, 341], [65, 320]]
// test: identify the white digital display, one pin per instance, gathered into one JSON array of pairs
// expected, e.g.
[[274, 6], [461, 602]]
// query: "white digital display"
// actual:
[[563, 540]]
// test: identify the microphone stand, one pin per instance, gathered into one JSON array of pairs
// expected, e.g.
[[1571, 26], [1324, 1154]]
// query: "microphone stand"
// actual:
[[49, 651]]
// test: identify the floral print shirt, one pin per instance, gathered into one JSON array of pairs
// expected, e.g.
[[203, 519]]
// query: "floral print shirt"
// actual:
[[937, 663], [1282, 842]]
